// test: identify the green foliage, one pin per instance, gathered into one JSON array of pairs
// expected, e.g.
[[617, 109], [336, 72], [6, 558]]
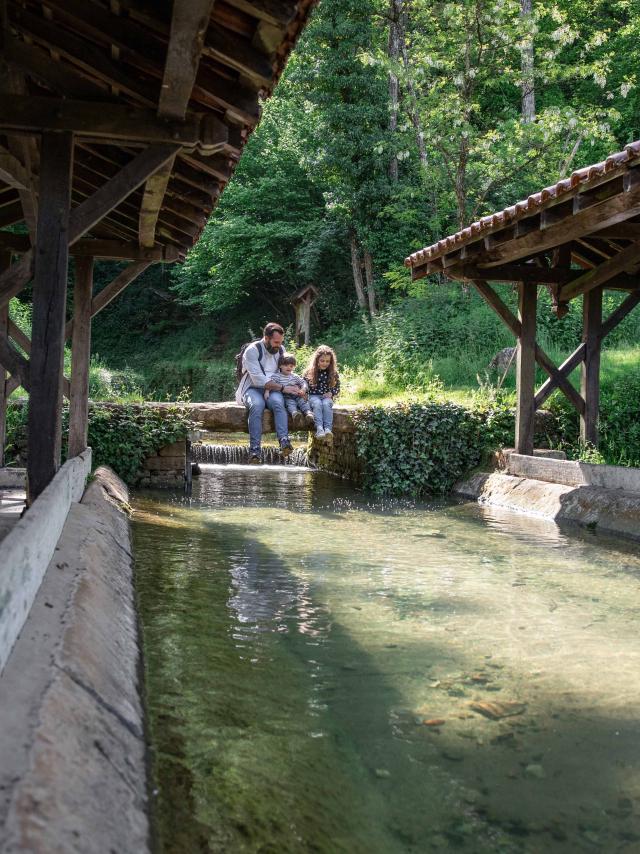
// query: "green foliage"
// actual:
[[120, 436], [123, 437], [423, 448]]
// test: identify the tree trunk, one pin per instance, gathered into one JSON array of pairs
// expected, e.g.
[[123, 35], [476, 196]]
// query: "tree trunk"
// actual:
[[357, 274], [411, 91], [395, 12], [368, 272], [527, 64]]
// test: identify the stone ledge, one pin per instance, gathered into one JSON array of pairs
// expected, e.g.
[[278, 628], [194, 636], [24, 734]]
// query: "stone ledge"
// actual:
[[610, 511], [72, 749]]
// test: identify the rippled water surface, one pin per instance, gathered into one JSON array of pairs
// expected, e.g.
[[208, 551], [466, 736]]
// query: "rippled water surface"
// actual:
[[319, 668]]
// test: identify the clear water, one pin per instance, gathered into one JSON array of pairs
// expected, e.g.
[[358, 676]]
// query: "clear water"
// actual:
[[298, 636]]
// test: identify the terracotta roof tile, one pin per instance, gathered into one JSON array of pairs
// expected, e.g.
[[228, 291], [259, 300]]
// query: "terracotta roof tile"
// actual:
[[580, 179]]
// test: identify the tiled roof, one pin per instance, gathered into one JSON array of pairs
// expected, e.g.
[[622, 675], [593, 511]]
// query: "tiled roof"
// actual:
[[578, 181]]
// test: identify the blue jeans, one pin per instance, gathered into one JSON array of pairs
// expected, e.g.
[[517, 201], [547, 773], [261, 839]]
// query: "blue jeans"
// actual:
[[255, 403], [295, 404], [322, 411]]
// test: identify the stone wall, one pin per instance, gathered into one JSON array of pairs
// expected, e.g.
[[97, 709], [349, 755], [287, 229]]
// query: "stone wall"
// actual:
[[339, 457], [166, 468]]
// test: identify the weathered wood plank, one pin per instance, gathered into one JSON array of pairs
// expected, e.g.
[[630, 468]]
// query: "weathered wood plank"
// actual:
[[590, 376], [506, 315], [120, 123], [189, 24], [15, 363], [80, 352], [12, 172], [277, 12], [49, 301], [526, 369], [530, 273], [91, 211], [24, 342], [608, 213], [551, 384], [586, 282]]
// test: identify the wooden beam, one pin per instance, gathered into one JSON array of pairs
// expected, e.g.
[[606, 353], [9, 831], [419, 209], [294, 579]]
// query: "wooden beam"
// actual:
[[566, 368], [189, 23], [277, 12], [510, 320], [12, 172], [119, 251], [590, 378], [238, 53], [5, 263], [611, 212], [53, 74], [623, 261], [15, 363], [526, 369], [119, 123], [529, 273], [91, 211], [80, 353], [619, 314], [24, 342], [622, 231], [49, 302], [18, 243], [111, 291]]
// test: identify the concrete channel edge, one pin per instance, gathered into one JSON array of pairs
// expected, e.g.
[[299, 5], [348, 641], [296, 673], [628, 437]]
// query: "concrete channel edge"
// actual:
[[72, 747]]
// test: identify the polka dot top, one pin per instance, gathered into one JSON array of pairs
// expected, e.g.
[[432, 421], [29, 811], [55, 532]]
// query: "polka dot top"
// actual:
[[322, 386]]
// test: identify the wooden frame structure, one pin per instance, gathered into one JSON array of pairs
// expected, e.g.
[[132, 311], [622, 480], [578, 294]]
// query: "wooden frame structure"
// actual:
[[576, 238], [302, 302], [121, 122]]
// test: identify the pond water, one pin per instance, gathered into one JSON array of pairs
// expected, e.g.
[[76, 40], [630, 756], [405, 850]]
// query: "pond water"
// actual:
[[329, 673]]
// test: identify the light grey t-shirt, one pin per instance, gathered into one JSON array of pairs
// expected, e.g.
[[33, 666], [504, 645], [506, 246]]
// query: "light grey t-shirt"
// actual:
[[256, 372]]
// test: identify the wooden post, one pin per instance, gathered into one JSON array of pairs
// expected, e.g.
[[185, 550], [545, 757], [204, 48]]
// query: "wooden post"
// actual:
[[526, 368], [5, 263], [49, 302], [590, 379], [80, 352]]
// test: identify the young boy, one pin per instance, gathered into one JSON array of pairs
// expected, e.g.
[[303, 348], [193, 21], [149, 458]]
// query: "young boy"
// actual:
[[296, 404]]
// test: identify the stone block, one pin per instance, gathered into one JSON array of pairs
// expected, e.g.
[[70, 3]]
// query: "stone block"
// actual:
[[176, 449], [164, 464]]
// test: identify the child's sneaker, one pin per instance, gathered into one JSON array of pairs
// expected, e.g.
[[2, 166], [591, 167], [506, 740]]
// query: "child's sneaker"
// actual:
[[296, 419], [255, 458], [311, 421], [320, 433]]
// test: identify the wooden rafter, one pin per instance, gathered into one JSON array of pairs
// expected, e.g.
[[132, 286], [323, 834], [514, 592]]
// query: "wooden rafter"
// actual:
[[189, 23], [625, 260], [29, 114], [91, 212]]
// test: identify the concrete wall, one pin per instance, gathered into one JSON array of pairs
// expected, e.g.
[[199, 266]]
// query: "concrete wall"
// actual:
[[610, 511], [72, 747], [574, 473], [29, 546], [166, 468]]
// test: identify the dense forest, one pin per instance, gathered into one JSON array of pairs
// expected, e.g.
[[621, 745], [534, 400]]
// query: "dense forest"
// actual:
[[395, 123]]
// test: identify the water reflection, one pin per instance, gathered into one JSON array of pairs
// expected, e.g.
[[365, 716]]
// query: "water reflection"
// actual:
[[323, 669]]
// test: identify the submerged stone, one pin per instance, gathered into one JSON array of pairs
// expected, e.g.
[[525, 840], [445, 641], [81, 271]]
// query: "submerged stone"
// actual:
[[496, 710]]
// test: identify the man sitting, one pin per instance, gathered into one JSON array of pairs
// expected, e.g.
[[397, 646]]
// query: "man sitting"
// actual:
[[259, 362]]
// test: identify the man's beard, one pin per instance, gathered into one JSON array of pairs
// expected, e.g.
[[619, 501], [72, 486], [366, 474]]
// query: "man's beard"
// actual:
[[271, 349]]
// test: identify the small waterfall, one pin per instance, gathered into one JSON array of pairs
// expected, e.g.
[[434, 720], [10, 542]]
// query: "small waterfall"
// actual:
[[239, 455]]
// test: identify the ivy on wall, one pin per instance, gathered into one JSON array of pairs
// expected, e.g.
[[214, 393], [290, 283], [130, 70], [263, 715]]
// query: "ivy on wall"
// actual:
[[121, 436], [424, 448]]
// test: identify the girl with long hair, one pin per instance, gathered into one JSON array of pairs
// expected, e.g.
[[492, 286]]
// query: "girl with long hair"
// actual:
[[324, 386]]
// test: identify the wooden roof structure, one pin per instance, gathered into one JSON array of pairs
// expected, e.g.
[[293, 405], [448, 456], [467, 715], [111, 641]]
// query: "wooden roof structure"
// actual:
[[576, 237], [121, 122]]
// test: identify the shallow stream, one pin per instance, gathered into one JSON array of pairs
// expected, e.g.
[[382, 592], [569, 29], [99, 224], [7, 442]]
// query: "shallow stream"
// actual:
[[330, 673]]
